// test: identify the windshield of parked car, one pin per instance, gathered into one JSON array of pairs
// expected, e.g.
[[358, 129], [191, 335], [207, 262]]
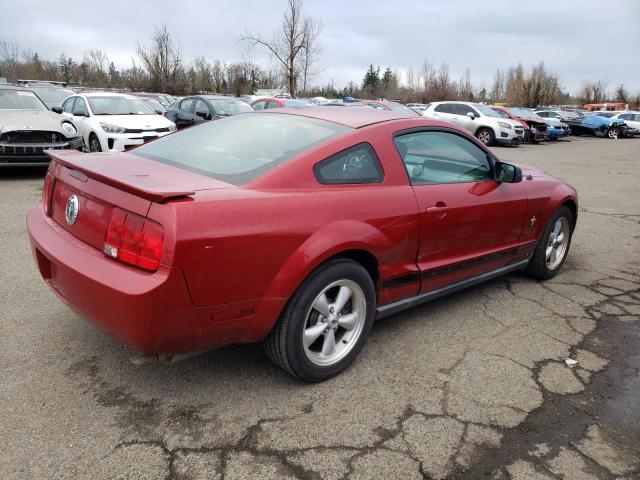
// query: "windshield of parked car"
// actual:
[[232, 106], [154, 104], [486, 110], [501, 113], [20, 100], [605, 114], [111, 105], [239, 149], [51, 95], [520, 112], [398, 107]]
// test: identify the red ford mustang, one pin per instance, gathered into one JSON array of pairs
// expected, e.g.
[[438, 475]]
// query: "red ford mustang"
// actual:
[[294, 227]]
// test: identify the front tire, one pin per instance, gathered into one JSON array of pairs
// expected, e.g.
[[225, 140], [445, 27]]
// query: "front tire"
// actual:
[[553, 246], [614, 133], [94, 143], [486, 136], [325, 323]]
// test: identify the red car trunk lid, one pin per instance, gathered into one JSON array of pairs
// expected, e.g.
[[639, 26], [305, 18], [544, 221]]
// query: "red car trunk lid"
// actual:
[[101, 182]]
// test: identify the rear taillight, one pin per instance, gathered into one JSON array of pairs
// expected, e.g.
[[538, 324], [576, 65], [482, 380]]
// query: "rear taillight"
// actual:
[[47, 190], [134, 240]]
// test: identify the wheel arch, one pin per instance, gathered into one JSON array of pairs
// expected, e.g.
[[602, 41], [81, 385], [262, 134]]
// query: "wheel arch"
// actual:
[[356, 240]]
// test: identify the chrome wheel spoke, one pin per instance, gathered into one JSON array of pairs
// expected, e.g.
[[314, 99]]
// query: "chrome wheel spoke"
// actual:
[[548, 253], [329, 344], [560, 238], [556, 228], [322, 305], [348, 321], [344, 294], [311, 334], [554, 255]]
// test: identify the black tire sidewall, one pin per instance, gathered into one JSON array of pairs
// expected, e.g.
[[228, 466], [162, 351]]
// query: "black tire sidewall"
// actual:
[[297, 310], [93, 137], [538, 263]]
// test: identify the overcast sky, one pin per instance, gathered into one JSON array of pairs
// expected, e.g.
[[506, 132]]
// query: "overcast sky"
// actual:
[[578, 39]]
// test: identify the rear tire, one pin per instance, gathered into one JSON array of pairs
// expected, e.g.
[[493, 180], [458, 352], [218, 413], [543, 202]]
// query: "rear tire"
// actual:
[[486, 136], [313, 346], [553, 247]]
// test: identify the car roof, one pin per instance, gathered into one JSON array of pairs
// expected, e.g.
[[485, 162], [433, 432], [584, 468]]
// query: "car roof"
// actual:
[[13, 87], [349, 117], [105, 94], [218, 97]]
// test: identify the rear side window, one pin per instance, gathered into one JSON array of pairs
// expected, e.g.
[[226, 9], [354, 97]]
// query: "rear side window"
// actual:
[[358, 164], [187, 105], [445, 108], [240, 148]]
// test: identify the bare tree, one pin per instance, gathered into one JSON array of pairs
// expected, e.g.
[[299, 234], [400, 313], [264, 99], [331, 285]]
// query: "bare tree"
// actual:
[[621, 94], [9, 59], [288, 42], [498, 88], [162, 59], [593, 92], [310, 52]]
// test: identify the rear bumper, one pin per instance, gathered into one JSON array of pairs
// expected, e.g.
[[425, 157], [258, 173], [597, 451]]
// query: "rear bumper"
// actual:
[[149, 312]]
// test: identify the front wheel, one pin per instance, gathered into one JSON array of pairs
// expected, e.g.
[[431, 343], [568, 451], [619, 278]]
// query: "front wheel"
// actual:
[[614, 133], [326, 322], [486, 136], [94, 143], [553, 246]]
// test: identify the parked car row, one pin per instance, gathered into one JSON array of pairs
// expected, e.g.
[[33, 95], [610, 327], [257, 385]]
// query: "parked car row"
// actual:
[[109, 121]]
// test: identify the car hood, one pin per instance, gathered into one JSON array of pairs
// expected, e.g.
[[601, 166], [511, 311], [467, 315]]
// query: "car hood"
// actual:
[[12, 120], [554, 122], [135, 121]]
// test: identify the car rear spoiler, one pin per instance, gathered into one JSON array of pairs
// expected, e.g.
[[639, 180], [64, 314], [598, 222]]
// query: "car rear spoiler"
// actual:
[[123, 175]]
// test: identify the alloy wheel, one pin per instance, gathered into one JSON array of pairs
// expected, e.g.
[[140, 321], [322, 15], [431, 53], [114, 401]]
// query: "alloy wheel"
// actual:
[[334, 322], [484, 137], [557, 243]]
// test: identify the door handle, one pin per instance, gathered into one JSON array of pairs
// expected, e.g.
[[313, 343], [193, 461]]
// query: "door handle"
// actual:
[[439, 209]]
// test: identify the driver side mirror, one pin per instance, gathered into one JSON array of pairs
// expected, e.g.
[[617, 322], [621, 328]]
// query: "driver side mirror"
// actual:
[[471, 115], [507, 173], [56, 109]]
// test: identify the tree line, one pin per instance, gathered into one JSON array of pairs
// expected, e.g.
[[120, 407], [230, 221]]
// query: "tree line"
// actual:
[[295, 48]]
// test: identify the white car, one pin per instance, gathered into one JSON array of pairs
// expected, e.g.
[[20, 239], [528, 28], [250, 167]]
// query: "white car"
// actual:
[[488, 126], [113, 122], [632, 119]]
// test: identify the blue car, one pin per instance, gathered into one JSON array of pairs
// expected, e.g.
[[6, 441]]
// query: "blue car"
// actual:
[[598, 126], [555, 128]]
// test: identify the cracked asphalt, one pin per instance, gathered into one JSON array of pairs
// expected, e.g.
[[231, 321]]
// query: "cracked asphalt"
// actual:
[[470, 386]]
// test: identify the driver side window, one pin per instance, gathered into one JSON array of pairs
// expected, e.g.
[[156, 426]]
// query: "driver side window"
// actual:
[[358, 164], [441, 157]]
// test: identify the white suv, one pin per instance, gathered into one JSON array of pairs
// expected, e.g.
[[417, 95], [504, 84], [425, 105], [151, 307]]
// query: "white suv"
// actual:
[[114, 121], [488, 127]]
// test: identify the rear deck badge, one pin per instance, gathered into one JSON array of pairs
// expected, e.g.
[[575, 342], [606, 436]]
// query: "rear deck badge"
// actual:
[[71, 210]]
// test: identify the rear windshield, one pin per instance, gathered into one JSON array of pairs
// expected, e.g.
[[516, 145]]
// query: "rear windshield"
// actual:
[[239, 149]]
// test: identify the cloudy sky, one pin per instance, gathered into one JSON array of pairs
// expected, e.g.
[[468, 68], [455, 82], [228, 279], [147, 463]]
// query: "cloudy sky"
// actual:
[[578, 39]]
